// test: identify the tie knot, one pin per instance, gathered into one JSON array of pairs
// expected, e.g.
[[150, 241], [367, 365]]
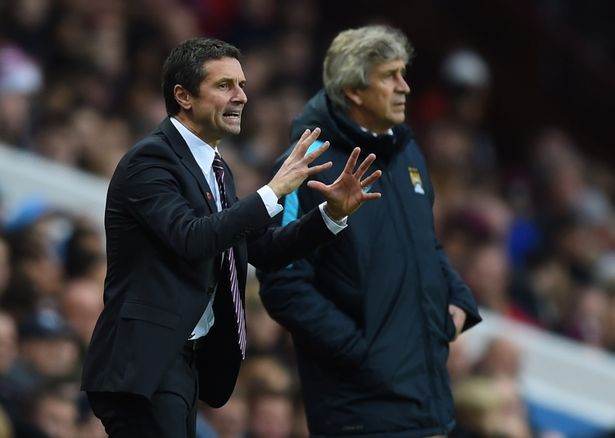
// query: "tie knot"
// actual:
[[217, 163], [217, 159]]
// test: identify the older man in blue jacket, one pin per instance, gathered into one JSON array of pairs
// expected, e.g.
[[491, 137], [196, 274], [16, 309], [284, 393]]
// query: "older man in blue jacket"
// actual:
[[372, 314]]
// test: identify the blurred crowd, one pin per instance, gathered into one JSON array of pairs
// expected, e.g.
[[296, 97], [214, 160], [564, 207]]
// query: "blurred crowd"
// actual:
[[79, 84]]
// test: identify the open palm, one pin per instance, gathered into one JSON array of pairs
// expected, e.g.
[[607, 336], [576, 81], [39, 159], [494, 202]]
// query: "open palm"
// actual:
[[345, 195]]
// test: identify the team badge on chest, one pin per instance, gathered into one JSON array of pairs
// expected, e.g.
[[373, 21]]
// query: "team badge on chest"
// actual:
[[415, 179]]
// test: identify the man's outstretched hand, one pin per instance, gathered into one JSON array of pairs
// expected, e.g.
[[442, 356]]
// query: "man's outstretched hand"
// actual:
[[345, 195], [295, 168]]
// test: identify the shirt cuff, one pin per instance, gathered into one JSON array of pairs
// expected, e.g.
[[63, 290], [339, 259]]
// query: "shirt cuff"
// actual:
[[270, 200], [334, 226]]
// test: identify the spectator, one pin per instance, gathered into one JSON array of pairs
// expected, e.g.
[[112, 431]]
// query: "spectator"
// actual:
[[81, 305], [48, 347], [489, 407], [488, 275], [55, 414], [500, 358], [12, 388], [5, 264], [230, 420], [20, 80], [6, 426], [271, 414]]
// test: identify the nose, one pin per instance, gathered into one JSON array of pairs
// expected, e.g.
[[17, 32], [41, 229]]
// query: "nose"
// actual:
[[240, 95], [402, 85]]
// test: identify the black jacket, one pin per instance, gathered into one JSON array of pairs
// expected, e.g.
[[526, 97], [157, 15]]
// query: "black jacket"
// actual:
[[369, 312], [165, 238]]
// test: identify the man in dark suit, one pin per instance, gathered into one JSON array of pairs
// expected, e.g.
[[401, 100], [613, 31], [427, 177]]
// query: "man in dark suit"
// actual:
[[178, 243]]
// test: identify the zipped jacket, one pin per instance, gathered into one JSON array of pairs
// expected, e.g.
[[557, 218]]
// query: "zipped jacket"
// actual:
[[369, 312]]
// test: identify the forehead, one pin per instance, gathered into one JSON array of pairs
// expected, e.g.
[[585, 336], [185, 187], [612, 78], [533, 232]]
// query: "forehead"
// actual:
[[394, 65], [216, 69]]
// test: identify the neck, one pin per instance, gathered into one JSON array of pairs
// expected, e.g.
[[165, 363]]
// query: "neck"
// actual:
[[187, 121], [361, 119]]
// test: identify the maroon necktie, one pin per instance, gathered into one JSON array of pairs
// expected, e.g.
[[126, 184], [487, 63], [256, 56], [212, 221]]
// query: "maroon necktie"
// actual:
[[230, 258]]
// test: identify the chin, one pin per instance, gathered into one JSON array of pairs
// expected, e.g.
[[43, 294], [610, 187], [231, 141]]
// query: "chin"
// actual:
[[399, 119], [233, 130]]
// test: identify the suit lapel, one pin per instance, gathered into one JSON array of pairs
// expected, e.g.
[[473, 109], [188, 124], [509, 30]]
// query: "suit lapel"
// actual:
[[181, 148]]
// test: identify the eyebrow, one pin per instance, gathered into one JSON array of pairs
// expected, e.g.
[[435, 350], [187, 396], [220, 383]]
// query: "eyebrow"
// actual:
[[395, 70], [229, 79]]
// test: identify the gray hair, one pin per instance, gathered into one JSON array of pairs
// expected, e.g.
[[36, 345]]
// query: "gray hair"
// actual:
[[355, 52]]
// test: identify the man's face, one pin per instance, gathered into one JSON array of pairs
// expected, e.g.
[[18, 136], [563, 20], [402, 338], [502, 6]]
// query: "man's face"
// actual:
[[382, 104], [217, 107], [57, 417]]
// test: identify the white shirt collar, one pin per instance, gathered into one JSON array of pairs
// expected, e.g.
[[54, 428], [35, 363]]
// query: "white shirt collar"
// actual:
[[206, 151]]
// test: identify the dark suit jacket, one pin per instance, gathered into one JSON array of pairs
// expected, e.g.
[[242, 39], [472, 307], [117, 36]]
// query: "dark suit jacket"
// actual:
[[164, 244]]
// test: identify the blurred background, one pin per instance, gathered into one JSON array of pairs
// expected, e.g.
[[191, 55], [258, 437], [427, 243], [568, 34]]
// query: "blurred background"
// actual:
[[511, 102]]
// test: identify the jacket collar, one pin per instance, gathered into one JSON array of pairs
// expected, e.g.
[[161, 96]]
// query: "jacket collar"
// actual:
[[178, 144], [345, 133]]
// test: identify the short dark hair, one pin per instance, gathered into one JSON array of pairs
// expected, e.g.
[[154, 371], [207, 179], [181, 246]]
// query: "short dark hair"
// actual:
[[184, 66]]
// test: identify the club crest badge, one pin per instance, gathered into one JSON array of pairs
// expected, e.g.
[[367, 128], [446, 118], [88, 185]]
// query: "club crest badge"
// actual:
[[415, 179]]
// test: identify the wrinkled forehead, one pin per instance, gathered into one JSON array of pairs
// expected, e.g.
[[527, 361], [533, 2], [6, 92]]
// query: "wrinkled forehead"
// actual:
[[216, 69], [392, 66]]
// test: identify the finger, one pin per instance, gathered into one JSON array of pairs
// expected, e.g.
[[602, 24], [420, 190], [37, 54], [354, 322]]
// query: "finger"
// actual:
[[313, 135], [299, 146], [371, 179], [317, 169], [371, 196], [317, 185], [317, 153], [304, 135], [364, 166], [307, 142], [352, 160]]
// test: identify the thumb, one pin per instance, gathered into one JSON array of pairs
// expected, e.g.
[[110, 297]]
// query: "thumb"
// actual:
[[317, 185]]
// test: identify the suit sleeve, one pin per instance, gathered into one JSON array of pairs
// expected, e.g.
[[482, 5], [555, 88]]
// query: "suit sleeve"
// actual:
[[280, 245], [151, 189], [292, 299]]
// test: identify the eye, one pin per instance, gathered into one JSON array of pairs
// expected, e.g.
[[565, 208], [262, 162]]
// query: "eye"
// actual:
[[390, 75], [223, 86]]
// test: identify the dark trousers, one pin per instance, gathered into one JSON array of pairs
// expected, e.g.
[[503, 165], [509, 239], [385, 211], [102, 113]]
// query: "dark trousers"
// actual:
[[170, 413]]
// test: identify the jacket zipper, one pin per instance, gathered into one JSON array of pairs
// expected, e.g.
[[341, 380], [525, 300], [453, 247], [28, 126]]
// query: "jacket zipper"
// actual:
[[429, 355]]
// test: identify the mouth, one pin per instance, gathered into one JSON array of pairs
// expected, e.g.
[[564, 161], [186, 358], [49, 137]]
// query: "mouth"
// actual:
[[232, 115]]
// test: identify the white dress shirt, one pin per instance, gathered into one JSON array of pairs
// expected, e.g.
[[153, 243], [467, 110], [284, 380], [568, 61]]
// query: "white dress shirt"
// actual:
[[204, 155]]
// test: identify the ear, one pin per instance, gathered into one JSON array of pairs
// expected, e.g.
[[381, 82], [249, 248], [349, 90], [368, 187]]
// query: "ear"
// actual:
[[183, 97], [354, 95]]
